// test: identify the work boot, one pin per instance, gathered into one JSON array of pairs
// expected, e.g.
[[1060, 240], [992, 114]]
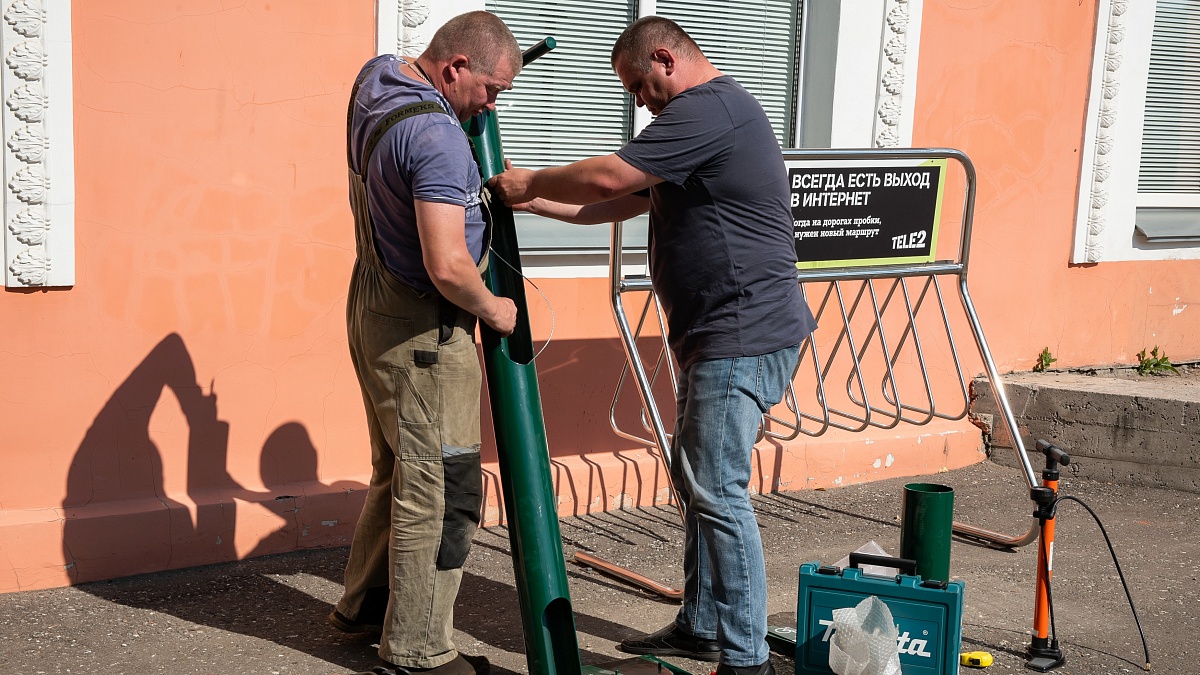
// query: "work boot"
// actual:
[[764, 668], [370, 613], [673, 641], [461, 665]]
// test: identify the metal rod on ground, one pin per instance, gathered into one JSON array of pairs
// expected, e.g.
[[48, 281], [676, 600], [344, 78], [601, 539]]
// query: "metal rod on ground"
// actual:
[[646, 393]]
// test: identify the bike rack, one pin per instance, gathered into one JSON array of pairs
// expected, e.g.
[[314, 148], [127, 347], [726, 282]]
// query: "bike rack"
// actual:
[[862, 347]]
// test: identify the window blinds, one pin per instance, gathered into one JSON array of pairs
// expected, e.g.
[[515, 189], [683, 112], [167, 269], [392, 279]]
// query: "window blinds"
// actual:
[[1171, 133], [568, 105], [754, 41]]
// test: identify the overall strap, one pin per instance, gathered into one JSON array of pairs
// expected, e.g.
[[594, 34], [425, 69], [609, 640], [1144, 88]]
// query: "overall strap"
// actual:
[[410, 110], [418, 108], [350, 114], [364, 228]]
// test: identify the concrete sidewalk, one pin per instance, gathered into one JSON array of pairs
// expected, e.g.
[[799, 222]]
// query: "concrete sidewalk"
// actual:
[[266, 615]]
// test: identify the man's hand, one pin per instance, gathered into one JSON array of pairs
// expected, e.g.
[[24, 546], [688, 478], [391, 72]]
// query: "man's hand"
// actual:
[[536, 206], [501, 316], [512, 186]]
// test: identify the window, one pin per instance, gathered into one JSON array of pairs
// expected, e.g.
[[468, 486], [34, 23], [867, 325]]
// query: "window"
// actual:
[[756, 44], [858, 73], [1140, 179], [1168, 203], [570, 105], [847, 78]]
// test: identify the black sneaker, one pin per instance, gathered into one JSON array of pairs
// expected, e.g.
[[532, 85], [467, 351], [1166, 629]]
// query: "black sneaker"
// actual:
[[673, 641], [764, 668]]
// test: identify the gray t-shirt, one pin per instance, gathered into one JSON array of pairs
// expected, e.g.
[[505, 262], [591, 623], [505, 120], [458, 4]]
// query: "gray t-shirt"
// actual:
[[722, 257], [425, 157]]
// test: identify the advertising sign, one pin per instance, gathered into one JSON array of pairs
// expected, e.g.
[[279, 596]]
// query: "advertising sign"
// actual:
[[851, 213]]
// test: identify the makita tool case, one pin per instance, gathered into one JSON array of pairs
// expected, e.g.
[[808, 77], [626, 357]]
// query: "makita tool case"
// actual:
[[928, 616]]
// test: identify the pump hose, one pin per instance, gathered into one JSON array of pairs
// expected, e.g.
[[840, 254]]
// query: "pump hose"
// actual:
[[1120, 574]]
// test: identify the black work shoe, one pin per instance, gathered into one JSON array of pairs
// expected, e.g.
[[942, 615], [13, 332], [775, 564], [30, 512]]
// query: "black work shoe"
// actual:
[[340, 622], [764, 668], [673, 641], [370, 613], [461, 665]]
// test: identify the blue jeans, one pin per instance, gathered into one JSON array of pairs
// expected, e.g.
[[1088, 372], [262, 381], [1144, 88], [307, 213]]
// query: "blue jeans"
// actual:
[[720, 404]]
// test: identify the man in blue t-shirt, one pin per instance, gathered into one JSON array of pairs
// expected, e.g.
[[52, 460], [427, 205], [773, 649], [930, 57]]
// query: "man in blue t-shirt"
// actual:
[[711, 174], [415, 294]]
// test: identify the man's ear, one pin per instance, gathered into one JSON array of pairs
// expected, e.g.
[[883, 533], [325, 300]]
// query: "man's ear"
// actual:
[[458, 63], [665, 57]]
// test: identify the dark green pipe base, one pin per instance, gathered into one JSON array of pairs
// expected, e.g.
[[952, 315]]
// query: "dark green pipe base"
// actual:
[[782, 640]]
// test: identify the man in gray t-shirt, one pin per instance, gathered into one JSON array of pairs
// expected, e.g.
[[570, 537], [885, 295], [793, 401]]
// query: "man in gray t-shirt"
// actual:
[[710, 172], [415, 293]]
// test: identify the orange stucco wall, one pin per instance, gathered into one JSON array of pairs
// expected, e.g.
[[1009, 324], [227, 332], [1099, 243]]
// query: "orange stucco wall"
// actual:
[[201, 353], [190, 399], [1007, 82]]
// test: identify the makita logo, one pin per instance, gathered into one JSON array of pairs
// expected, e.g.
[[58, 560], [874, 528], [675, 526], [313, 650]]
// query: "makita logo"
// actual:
[[904, 644]]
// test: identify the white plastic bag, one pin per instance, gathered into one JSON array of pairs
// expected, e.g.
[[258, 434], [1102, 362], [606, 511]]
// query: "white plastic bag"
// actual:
[[864, 640]]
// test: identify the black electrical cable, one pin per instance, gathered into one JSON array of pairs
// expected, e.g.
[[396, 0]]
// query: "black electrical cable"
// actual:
[[1120, 574]]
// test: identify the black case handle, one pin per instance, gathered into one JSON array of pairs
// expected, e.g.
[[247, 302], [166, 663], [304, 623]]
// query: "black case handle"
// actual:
[[905, 565]]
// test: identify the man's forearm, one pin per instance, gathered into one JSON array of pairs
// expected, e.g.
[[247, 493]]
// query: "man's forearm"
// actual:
[[621, 208], [587, 181], [463, 287], [452, 269]]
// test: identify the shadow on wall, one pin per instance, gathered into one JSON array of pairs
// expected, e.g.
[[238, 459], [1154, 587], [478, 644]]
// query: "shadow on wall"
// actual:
[[592, 468], [120, 519], [577, 380]]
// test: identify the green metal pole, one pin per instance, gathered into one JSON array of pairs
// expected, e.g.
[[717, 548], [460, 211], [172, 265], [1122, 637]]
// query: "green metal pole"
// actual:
[[551, 647]]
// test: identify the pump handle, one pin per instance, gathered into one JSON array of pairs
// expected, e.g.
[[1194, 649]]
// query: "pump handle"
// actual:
[[1053, 452]]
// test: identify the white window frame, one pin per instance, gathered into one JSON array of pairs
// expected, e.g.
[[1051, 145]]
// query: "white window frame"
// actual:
[[873, 99], [39, 149], [1112, 142], [875, 93]]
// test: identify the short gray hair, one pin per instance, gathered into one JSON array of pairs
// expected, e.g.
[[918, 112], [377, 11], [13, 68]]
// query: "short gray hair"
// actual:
[[482, 37], [638, 42]]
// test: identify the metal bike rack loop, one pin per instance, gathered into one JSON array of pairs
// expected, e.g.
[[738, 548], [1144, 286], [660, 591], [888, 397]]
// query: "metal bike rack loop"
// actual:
[[889, 410]]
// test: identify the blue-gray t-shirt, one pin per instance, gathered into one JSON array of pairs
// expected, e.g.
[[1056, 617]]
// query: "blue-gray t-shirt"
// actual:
[[722, 254], [425, 157]]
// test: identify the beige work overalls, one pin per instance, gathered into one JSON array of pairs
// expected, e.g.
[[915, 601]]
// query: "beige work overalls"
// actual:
[[416, 361]]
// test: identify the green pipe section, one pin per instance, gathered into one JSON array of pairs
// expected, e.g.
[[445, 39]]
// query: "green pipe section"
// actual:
[[926, 523], [551, 646]]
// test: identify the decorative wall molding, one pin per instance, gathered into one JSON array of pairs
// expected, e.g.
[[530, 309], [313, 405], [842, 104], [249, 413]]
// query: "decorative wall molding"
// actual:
[[39, 233], [889, 101], [414, 38], [406, 26], [1097, 184]]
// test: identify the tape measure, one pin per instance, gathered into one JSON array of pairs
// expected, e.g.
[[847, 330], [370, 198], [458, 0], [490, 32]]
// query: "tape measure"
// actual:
[[975, 659]]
